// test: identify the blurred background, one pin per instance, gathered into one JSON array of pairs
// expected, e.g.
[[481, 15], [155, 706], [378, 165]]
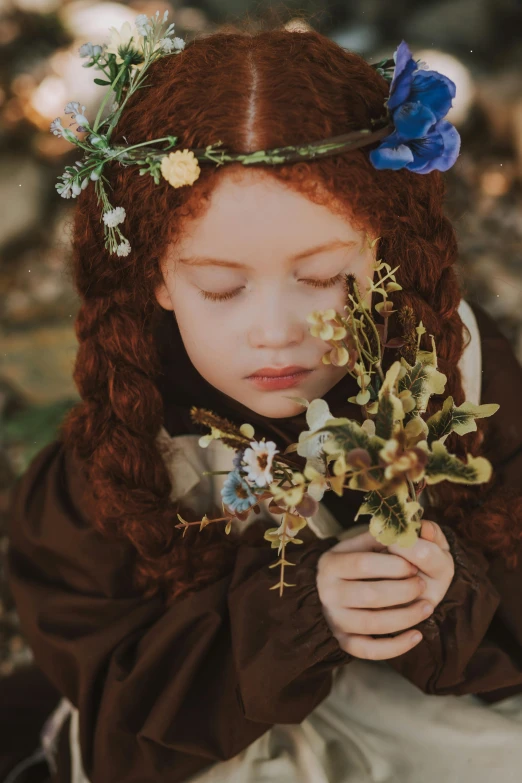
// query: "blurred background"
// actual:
[[477, 43]]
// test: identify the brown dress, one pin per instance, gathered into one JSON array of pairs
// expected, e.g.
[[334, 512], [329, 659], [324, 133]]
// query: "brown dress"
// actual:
[[164, 693]]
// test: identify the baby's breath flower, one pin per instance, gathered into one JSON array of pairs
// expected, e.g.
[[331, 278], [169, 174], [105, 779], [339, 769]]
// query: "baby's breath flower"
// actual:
[[180, 168], [114, 217], [166, 45], [123, 248], [143, 25]]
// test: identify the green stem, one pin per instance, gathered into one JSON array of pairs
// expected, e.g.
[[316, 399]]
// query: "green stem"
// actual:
[[132, 86], [123, 70]]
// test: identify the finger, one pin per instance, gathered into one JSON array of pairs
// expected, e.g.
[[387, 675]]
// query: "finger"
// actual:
[[374, 595], [362, 646], [379, 621], [430, 531], [427, 556], [370, 565], [364, 542]]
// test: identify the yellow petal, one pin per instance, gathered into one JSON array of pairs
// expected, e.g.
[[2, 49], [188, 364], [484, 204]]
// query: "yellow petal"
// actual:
[[247, 430]]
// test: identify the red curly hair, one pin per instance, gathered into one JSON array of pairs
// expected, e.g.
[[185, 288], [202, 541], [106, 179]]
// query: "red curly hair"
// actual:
[[255, 90]]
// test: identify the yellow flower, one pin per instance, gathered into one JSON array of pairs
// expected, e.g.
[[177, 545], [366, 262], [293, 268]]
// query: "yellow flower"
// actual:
[[205, 440], [180, 168], [293, 495], [321, 328]]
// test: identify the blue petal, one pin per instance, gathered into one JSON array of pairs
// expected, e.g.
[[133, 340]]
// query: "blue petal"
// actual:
[[413, 120], [402, 78], [433, 90], [391, 154], [451, 139], [425, 150], [401, 56]]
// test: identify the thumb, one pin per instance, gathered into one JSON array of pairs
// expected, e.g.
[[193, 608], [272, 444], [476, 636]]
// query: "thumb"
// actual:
[[430, 531]]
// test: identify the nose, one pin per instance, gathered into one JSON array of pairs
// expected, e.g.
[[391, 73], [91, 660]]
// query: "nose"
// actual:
[[274, 323]]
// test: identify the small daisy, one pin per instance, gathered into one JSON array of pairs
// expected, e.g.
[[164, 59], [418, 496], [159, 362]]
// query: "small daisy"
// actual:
[[258, 461], [236, 493]]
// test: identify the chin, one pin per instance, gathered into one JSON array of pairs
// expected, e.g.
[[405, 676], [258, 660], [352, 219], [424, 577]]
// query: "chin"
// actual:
[[277, 408]]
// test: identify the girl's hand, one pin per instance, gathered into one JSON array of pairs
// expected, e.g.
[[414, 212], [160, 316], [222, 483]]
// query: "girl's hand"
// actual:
[[431, 554], [354, 606]]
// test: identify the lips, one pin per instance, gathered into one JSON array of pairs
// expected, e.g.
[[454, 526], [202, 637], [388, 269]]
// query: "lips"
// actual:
[[277, 372]]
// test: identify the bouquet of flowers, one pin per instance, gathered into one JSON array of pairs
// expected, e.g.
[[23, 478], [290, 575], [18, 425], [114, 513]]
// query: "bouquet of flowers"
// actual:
[[390, 457]]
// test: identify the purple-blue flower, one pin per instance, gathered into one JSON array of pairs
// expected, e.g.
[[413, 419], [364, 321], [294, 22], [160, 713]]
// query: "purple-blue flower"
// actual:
[[238, 458], [236, 493], [418, 102]]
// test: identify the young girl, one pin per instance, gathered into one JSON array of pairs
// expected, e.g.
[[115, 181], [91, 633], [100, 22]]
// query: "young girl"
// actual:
[[175, 659]]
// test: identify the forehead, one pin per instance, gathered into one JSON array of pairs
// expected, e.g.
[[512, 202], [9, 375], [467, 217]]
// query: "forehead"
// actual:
[[251, 212]]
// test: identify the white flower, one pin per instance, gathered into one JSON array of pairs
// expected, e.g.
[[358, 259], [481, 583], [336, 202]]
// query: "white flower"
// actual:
[[310, 445], [114, 217], [257, 461], [64, 188], [179, 43], [143, 25], [123, 248], [73, 107], [166, 45], [57, 127], [86, 50], [124, 40]]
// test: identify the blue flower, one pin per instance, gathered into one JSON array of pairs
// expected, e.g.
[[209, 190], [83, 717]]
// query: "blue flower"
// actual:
[[238, 458], [236, 493], [418, 102]]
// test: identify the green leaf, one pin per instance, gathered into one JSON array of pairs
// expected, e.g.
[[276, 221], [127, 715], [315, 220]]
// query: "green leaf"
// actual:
[[445, 466], [395, 519], [423, 380], [101, 82], [459, 419], [465, 415], [348, 435], [390, 407]]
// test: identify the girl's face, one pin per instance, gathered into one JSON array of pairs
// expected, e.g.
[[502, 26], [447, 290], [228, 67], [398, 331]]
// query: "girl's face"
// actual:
[[244, 276]]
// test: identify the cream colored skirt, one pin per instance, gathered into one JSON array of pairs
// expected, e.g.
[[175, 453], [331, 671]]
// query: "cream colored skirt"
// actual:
[[374, 727]]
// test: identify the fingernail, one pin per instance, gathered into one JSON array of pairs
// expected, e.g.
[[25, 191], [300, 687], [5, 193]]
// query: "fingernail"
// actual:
[[427, 609]]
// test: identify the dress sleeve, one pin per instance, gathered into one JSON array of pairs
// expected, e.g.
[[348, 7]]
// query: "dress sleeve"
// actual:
[[158, 687], [473, 641]]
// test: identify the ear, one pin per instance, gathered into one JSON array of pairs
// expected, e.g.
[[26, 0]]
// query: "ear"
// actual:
[[162, 295]]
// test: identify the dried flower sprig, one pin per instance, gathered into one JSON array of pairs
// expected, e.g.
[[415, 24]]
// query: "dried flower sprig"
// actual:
[[391, 457], [124, 61]]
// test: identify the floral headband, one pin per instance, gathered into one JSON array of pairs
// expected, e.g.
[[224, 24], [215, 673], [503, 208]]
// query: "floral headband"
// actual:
[[415, 134]]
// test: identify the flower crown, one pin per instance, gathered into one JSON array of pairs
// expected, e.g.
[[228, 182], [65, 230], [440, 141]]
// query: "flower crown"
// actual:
[[415, 134]]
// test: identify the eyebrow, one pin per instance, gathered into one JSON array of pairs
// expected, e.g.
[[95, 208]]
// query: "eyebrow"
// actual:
[[205, 261]]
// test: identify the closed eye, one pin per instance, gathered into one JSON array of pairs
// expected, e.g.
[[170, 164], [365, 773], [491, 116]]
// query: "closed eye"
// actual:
[[231, 294]]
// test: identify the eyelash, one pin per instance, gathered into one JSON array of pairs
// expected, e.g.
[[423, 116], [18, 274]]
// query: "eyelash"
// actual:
[[314, 283]]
